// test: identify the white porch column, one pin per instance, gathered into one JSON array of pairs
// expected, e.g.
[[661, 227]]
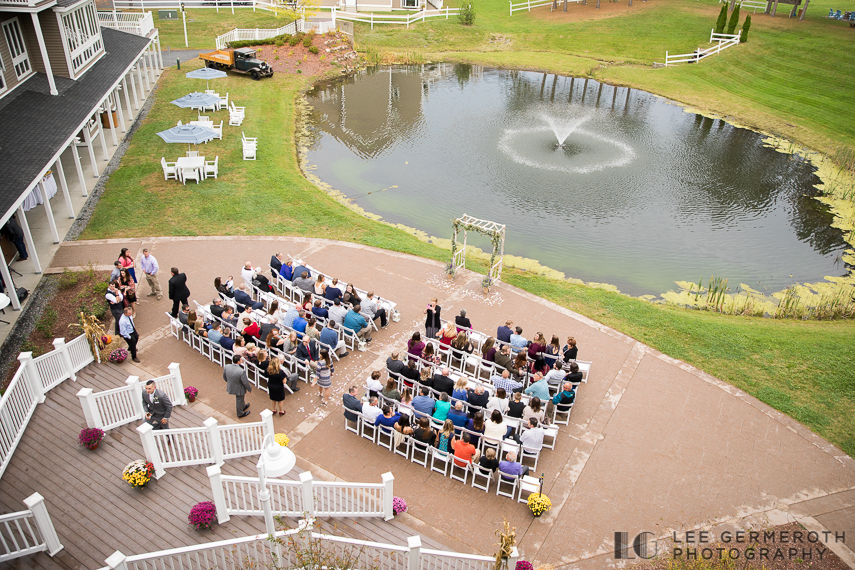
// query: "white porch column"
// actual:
[[108, 105], [160, 53], [42, 48], [87, 136], [49, 212], [10, 284], [151, 62], [119, 111], [101, 136], [28, 237], [128, 97], [140, 79], [60, 173], [79, 167], [143, 74]]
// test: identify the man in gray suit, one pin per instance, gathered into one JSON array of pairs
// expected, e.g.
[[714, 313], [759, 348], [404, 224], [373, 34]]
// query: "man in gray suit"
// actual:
[[237, 384], [157, 406], [351, 404]]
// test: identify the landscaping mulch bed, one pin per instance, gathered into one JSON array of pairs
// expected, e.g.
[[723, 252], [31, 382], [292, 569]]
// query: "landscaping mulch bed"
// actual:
[[334, 52], [780, 550], [74, 291]]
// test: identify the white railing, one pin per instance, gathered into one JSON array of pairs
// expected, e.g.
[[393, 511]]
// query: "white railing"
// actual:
[[724, 41], [33, 379], [257, 550], [754, 4], [406, 19], [258, 34], [529, 4], [119, 406], [240, 496], [211, 443], [139, 23], [27, 532]]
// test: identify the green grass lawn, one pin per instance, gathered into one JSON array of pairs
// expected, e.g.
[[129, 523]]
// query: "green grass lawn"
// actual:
[[205, 24], [804, 369]]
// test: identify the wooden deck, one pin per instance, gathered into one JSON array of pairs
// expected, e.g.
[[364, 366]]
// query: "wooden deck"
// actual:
[[96, 513]]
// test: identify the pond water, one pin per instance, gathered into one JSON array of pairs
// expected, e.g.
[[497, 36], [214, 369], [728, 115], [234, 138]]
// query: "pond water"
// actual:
[[640, 194]]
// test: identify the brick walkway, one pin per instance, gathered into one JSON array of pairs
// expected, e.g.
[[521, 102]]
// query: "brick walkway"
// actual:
[[653, 444]]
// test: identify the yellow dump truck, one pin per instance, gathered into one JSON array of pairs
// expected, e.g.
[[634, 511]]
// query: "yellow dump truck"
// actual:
[[242, 60]]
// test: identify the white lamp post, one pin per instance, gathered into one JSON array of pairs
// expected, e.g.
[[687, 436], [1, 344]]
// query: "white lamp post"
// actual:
[[274, 461]]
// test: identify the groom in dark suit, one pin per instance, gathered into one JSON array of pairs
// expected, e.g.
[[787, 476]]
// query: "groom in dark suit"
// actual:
[[178, 291], [157, 406]]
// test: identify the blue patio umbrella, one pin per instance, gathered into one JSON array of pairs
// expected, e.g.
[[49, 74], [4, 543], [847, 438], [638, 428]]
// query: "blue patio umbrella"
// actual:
[[196, 99], [206, 73], [187, 134]]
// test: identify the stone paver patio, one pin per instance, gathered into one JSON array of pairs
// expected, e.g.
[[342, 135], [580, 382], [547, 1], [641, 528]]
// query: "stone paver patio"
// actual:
[[653, 444]]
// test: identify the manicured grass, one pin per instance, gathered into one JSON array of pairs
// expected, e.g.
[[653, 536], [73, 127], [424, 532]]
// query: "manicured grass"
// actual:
[[804, 369], [205, 24]]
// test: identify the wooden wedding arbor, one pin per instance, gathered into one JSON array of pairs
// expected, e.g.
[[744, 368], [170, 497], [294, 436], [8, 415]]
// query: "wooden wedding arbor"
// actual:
[[495, 231]]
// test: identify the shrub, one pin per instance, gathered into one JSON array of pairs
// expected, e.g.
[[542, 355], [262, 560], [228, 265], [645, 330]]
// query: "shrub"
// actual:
[[745, 27], [45, 324], [295, 39], [307, 40], [722, 19], [314, 50], [734, 21], [68, 279], [466, 15], [279, 43], [100, 289]]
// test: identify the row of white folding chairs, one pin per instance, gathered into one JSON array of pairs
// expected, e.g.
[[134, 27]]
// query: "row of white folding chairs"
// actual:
[[443, 461]]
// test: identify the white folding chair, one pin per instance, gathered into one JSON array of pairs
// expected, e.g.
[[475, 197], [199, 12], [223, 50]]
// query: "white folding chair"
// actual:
[[351, 425], [169, 170], [224, 102], [212, 167], [561, 416], [204, 117], [550, 436], [249, 151], [192, 153], [459, 472], [442, 458], [368, 430], [404, 448], [528, 485], [385, 437], [218, 130], [419, 452], [480, 474], [533, 454], [506, 485]]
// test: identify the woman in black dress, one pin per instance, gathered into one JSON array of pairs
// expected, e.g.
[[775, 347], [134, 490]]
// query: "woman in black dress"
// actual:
[[570, 350], [433, 322], [276, 385]]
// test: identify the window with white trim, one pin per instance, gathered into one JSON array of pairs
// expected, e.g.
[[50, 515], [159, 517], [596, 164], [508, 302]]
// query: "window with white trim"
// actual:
[[17, 48], [2, 75], [82, 35]]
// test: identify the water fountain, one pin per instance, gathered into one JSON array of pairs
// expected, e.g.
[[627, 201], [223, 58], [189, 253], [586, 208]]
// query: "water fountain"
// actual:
[[563, 129]]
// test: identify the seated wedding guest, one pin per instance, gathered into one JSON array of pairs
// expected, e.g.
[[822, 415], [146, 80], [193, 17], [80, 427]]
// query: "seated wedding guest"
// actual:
[[504, 333], [444, 436], [224, 288], [476, 424], [406, 405], [423, 433], [462, 323], [425, 377], [275, 266], [537, 345], [429, 355], [403, 425], [350, 296], [488, 460], [447, 334], [304, 282], [312, 329], [251, 354], [290, 316], [291, 344], [516, 406], [274, 339], [503, 358], [574, 375], [539, 387], [393, 364], [464, 451], [462, 343], [570, 351], [333, 292], [389, 417], [225, 341], [391, 390], [329, 338], [521, 365], [216, 307], [243, 299], [371, 411], [274, 313], [320, 286], [229, 316], [214, 334], [240, 346], [251, 331], [443, 405], [518, 341], [488, 351], [373, 384], [498, 402], [506, 382], [478, 397], [423, 403], [263, 361], [415, 346], [410, 373], [532, 438], [553, 351], [512, 467], [556, 376], [298, 271], [461, 390], [495, 428], [300, 322], [563, 400], [319, 310], [287, 270], [457, 415], [534, 409], [539, 365], [337, 312]]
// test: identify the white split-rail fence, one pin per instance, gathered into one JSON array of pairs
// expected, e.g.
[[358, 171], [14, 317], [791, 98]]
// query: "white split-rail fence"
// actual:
[[529, 4], [34, 378], [723, 41], [753, 4], [258, 549]]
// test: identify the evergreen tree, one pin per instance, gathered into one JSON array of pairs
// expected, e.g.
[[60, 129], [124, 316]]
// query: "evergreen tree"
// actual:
[[734, 21], [722, 19], [745, 27]]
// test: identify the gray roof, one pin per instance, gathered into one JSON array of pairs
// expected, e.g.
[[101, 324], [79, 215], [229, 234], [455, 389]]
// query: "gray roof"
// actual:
[[36, 124]]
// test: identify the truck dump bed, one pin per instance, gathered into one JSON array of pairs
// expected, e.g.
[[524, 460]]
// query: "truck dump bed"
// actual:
[[219, 56]]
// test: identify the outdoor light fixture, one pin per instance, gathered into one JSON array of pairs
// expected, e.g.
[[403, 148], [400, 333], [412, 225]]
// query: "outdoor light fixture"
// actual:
[[275, 459]]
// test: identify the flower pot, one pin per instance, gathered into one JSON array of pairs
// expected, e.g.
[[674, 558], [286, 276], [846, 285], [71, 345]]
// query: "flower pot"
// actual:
[[93, 446], [486, 290], [191, 399], [449, 276]]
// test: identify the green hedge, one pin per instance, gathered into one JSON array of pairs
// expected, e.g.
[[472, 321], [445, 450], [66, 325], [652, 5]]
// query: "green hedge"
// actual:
[[275, 40]]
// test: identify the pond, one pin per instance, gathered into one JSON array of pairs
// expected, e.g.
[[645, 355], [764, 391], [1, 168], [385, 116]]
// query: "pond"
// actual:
[[605, 184]]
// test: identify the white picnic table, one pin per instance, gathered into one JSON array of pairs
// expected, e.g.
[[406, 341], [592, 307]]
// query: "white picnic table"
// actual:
[[185, 163]]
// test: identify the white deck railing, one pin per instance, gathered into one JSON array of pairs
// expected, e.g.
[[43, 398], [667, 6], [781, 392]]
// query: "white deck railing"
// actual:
[[33, 379], [27, 532], [119, 406], [239, 496], [139, 23], [404, 19], [754, 4], [211, 443], [257, 550], [724, 41]]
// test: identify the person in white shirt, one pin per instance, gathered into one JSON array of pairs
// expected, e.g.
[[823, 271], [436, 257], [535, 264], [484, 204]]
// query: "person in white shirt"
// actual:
[[373, 384], [371, 411], [337, 312], [248, 274], [555, 376], [532, 438]]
